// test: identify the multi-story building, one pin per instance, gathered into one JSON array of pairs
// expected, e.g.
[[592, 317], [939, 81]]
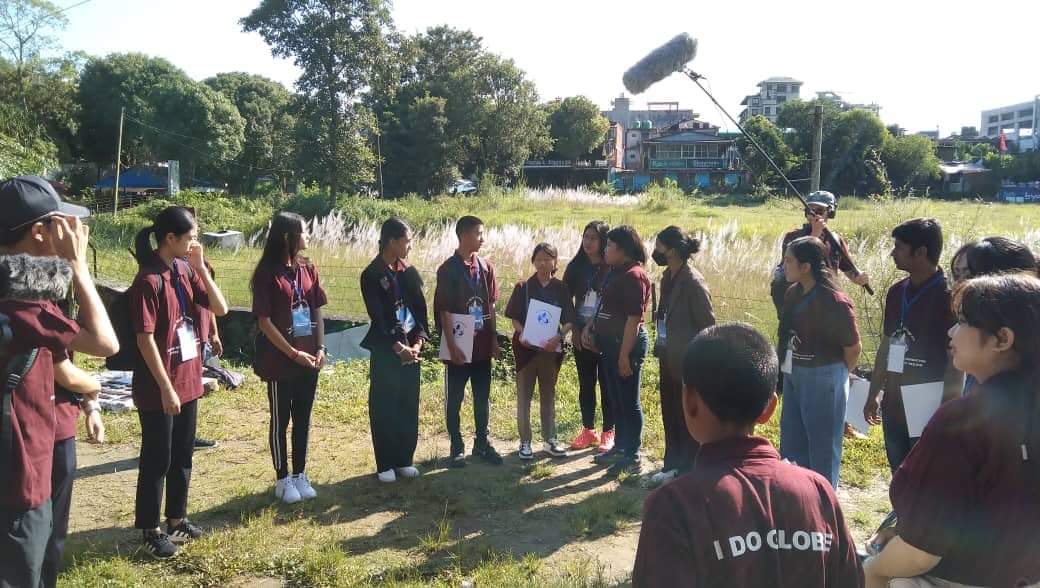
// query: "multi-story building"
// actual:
[[771, 96], [694, 154], [659, 114], [846, 106], [1017, 121]]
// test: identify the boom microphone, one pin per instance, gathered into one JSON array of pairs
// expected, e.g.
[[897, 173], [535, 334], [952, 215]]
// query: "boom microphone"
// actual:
[[660, 63], [27, 277]]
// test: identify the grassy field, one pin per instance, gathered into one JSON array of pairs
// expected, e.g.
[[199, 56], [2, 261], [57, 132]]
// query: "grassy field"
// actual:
[[550, 523]]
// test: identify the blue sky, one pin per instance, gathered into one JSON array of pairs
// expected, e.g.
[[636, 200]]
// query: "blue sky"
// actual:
[[927, 63]]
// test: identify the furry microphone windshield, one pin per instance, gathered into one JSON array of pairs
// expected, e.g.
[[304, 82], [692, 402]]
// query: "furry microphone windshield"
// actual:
[[660, 63], [27, 277]]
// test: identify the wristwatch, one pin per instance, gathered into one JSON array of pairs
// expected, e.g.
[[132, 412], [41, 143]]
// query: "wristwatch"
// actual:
[[90, 406]]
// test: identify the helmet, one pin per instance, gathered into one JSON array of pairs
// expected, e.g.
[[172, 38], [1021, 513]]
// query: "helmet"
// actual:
[[825, 198]]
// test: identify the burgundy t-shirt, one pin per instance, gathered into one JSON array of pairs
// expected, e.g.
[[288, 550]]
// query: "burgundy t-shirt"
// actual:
[[824, 322], [555, 293], [155, 309], [274, 297], [454, 291], [964, 493], [42, 325], [837, 259], [744, 517], [928, 318], [625, 292], [580, 279], [66, 414]]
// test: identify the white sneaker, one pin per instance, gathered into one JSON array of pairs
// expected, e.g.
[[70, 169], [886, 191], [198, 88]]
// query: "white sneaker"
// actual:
[[408, 472], [303, 486], [525, 451], [663, 477], [286, 491], [553, 448], [387, 476]]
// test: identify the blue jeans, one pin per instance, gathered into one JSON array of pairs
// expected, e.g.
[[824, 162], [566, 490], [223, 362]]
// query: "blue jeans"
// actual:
[[624, 392], [812, 420]]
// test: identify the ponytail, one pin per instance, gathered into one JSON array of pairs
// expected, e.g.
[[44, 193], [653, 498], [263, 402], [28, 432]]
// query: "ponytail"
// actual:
[[675, 238], [175, 220], [143, 245]]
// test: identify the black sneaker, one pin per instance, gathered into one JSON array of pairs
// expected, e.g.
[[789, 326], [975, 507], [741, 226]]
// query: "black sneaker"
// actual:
[[159, 546], [485, 451], [201, 443], [457, 460], [626, 465], [184, 532], [608, 457]]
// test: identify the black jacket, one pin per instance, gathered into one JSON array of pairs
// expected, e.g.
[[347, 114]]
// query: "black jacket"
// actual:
[[378, 292]]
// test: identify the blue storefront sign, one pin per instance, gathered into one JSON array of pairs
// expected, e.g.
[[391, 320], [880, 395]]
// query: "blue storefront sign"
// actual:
[[1019, 194], [687, 164]]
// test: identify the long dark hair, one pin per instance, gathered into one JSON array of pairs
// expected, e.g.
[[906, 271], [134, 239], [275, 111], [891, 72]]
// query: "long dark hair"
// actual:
[[994, 255], [627, 238], [173, 219], [393, 228], [1012, 301], [283, 240], [581, 258], [675, 238], [810, 250]]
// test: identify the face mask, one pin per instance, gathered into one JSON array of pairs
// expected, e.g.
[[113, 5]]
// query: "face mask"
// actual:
[[659, 258]]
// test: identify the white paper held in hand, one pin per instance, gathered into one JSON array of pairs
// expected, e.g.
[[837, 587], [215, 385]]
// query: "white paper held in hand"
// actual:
[[542, 324], [920, 401], [461, 326], [859, 389]]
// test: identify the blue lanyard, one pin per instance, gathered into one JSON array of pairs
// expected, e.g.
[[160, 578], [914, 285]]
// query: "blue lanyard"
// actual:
[[474, 283], [297, 285], [603, 290], [908, 303], [178, 288], [398, 293], [804, 302]]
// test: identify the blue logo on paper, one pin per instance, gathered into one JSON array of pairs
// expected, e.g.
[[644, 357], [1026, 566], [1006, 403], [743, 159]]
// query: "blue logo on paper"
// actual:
[[543, 317], [458, 329]]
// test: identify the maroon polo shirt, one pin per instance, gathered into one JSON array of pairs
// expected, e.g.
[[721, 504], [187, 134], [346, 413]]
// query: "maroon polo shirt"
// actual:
[[455, 288], [625, 292], [555, 293], [744, 517], [274, 297], [928, 318], [837, 259], [824, 322], [42, 325], [965, 493], [581, 278], [155, 310]]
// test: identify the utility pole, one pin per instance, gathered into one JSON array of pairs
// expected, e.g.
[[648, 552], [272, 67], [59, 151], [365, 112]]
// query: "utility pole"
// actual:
[[119, 156], [817, 150], [379, 150]]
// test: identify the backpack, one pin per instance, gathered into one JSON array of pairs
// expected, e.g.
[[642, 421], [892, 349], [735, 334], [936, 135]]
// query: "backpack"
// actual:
[[14, 370], [129, 357]]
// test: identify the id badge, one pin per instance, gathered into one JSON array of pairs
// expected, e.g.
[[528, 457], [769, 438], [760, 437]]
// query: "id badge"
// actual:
[[404, 316], [896, 354], [662, 333], [477, 310], [301, 321], [588, 306], [187, 341], [785, 367]]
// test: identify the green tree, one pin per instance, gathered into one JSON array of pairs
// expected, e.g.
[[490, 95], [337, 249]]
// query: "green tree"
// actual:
[[340, 46], [910, 160], [26, 28], [851, 153], [772, 141], [576, 126], [269, 141]]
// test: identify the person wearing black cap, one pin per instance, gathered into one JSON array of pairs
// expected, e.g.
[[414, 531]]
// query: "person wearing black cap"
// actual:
[[35, 496]]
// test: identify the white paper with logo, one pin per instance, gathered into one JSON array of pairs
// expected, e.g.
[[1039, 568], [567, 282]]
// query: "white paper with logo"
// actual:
[[461, 326], [542, 324]]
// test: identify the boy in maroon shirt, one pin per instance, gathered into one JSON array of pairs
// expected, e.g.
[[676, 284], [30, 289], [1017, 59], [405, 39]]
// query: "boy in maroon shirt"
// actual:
[[466, 284], [742, 517]]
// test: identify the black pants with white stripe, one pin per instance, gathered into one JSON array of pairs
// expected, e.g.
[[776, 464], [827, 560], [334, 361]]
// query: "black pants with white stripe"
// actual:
[[167, 448], [291, 399], [62, 475], [478, 374], [393, 410]]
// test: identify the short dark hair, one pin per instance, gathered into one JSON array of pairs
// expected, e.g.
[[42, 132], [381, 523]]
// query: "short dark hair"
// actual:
[[467, 224], [547, 248], [921, 232], [997, 255], [393, 228], [627, 238], [12, 238], [733, 368]]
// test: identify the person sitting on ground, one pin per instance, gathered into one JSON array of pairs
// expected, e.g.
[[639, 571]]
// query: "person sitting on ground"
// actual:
[[742, 516]]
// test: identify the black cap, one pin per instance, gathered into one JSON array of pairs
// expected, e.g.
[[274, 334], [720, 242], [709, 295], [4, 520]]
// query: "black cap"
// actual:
[[27, 199]]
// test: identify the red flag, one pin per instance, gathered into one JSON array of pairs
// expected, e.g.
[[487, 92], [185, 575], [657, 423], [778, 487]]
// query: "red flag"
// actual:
[[1002, 144]]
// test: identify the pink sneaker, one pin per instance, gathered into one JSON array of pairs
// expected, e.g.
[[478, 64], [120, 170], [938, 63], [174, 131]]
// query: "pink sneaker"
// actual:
[[606, 442], [585, 439]]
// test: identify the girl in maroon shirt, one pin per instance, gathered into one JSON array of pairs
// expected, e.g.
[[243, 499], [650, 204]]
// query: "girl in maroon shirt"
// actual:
[[583, 277], [287, 301], [171, 287], [967, 498]]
